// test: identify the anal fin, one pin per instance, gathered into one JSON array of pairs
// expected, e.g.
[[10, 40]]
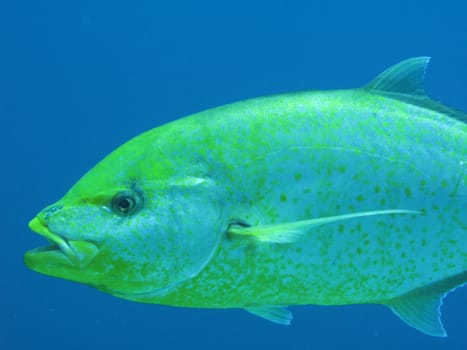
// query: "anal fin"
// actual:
[[273, 313], [421, 308]]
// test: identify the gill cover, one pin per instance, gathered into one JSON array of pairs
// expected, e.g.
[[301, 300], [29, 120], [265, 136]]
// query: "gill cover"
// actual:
[[188, 234]]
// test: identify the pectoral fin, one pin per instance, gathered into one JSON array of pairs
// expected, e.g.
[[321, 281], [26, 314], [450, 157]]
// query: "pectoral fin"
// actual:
[[292, 231], [421, 308], [273, 313]]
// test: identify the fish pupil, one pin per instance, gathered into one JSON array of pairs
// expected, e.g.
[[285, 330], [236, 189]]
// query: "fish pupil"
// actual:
[[125, 204]]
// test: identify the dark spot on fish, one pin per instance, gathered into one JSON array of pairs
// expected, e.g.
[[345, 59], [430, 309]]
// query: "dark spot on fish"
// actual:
[[360, 198], [342, 169], [408, 192]]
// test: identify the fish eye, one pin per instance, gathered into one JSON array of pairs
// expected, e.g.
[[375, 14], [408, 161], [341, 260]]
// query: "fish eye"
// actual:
[[126, 203]]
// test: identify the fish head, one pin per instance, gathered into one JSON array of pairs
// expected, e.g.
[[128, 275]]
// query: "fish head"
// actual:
[[129, 232]]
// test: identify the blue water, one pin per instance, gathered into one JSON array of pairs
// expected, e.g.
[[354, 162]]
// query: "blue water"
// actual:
[[78, 78]]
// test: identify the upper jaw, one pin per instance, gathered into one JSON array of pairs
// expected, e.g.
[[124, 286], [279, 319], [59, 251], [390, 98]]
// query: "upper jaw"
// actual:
[[38, 226]]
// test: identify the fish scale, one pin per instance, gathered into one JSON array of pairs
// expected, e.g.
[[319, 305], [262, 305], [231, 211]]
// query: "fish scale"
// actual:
[[316, 197]]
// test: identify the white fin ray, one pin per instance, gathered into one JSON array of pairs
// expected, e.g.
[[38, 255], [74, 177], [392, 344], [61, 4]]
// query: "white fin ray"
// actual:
[[292, 231]]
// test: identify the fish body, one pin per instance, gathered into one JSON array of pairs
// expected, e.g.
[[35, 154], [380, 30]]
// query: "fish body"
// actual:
[[317, 197]]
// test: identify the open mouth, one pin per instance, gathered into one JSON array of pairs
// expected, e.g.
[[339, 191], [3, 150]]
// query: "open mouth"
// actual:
[[58, 242], [61, 250]]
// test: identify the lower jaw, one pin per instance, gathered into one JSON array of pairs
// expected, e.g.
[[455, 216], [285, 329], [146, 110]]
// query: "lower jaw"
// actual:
[[51, 256], [46, 257]]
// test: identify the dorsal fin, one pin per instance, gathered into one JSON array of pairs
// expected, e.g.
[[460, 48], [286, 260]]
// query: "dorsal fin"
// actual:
[[405, 82], [406, 77]]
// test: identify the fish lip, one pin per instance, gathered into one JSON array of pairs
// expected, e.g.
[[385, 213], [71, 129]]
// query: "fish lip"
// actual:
[[40, 227]]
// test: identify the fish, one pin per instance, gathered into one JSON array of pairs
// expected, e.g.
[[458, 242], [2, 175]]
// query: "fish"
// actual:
[[321, 197]]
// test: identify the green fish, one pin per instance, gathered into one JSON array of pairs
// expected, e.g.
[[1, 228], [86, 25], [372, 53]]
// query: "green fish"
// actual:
[[318, 197]]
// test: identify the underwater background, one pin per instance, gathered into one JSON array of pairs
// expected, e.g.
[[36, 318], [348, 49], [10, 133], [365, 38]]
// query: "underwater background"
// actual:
[[78, 78]]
